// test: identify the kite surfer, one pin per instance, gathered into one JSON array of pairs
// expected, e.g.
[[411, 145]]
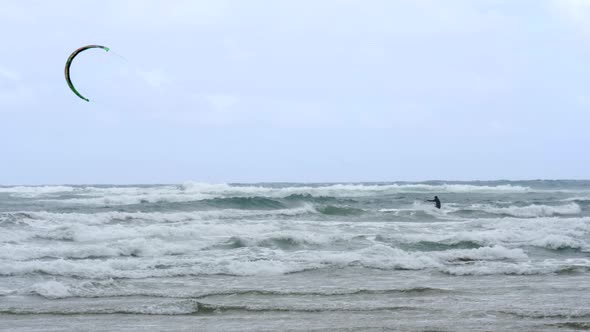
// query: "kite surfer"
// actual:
[[436, 201]]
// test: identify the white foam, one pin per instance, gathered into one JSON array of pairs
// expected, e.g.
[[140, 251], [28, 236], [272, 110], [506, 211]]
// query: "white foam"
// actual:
[[338, 190], [151, 234], [119, 199], [527, 211], [577, 198], [113, 234], [534, 210], [164, 307], [105, 245], [35, 191], [496, 252], [158, 217], [252, 261], [50, 289], [559, 241], [239, 263], [449, 210], [191, 191], [527, 268], [510, 232], [191, 186], [6, 292]]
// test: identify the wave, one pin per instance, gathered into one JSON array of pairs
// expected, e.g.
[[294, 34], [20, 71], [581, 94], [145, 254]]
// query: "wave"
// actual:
[[333, 210], [576, 326], [156, 217], [53, 289], [420, 210], [552, 233], [90, 243], [217, 209], [292, 239], [532, 211], [193, 307], [34, 191], [334, 292], [189, 192], [318, 199], [436, 246], [354, 189], [282, 241], [276, 262], [242, 202], [577, 199], [459, 266], [246, 203], [457, 211], [559, 314], [141, 198], [157, 234], [194, 191], [527, 268]]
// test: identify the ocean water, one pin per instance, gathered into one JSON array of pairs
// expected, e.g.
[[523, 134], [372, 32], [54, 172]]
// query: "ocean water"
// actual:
[[498, 256]]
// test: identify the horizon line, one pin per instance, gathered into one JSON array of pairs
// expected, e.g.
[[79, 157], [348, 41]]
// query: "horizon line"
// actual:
[[289, 182]]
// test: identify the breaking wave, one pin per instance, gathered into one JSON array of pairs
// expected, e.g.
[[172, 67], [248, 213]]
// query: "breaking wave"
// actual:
[[532, 211], [190, 191], [110, 288], [478, 261]]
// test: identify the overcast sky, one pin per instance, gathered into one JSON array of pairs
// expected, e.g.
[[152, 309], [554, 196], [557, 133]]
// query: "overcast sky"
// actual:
[[294, 90]]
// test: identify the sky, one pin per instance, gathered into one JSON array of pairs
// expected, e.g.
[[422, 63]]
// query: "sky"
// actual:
[[294, 91]]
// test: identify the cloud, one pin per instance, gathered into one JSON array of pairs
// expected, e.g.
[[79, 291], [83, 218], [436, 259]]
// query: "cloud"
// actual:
[[12, 11], [12, 90], [15, 96], [576, 12], [9, 75], [169, 13], [154, 78], [221, 102]]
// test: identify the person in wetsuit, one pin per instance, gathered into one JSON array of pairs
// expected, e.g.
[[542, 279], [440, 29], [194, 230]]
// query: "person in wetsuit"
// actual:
[[436, 201]]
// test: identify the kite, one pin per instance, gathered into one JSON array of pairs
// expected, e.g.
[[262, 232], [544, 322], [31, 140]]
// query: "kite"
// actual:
[[69, 63]]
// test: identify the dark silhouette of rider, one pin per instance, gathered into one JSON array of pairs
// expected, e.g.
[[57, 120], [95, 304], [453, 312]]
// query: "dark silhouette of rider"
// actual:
[[436, 201]]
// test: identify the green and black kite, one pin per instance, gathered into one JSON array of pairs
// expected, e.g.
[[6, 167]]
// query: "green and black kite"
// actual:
[[69, 63]]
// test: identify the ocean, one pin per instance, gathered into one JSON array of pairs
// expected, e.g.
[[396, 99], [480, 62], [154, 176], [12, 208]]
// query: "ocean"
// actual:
[[498, 256]]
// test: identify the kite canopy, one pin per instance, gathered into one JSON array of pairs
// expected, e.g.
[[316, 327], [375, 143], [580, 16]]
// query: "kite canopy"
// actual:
[[69, 63]]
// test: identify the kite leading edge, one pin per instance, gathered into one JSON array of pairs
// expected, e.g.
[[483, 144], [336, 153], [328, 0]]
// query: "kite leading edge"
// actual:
[[69, 63]]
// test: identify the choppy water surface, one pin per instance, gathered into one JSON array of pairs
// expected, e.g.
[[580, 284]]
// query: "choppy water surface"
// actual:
[[497, 256]]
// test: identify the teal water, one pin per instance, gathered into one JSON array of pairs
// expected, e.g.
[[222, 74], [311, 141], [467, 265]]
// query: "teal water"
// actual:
[[498, 255]]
